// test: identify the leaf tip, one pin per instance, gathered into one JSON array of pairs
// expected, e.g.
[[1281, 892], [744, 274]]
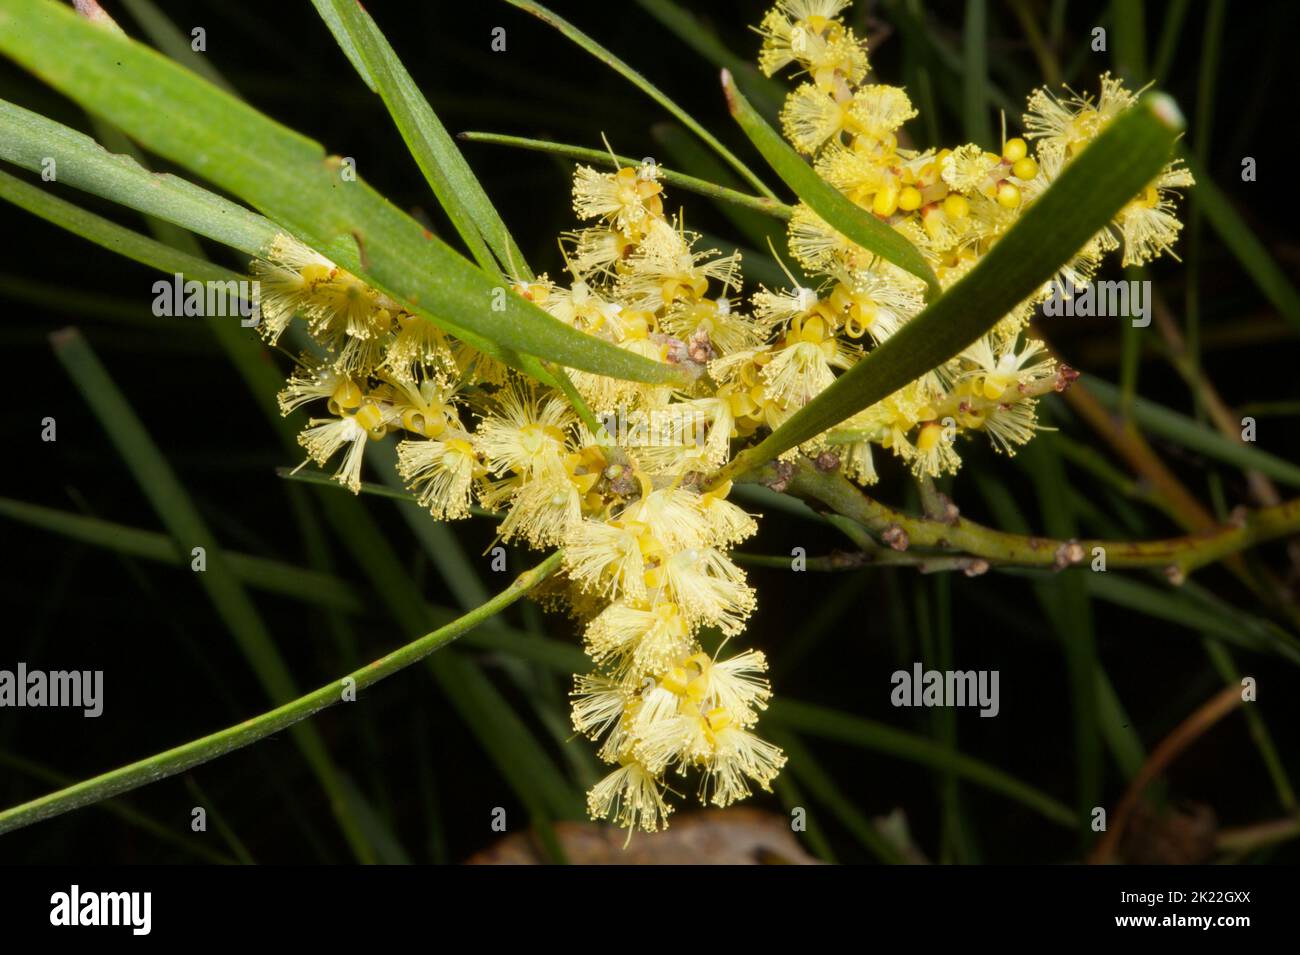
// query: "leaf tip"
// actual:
[[1165, 108], [729, 90], [64, 337]]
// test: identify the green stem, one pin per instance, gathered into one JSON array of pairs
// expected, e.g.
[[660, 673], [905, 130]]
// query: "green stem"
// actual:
[[933, 504], [855, 560], [763, 204], [577, 402], [1178, 556], [613, 453], [854, 532], [162, 831], [204, 749]]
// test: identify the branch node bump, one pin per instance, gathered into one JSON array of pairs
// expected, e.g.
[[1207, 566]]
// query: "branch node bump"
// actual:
[[895, 537]]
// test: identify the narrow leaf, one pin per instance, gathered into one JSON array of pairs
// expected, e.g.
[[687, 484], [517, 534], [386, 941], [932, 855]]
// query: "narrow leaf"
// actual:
[[186, 119], [840, 212], [448, 174], [687, 27], [29, 140], [598, 157], [610, 60], [975, 76], [110, 235], [346, 41], [1130, 40], [206, 748]]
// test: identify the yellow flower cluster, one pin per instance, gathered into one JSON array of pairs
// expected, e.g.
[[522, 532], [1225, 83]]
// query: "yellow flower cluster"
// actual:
[[644, 533], [953, 205], [645, 547]]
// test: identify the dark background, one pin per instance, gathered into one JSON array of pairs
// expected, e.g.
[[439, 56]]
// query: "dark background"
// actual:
[[172, 671]]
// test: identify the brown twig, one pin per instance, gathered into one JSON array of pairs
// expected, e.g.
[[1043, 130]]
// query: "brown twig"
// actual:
[[1169, 749]]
